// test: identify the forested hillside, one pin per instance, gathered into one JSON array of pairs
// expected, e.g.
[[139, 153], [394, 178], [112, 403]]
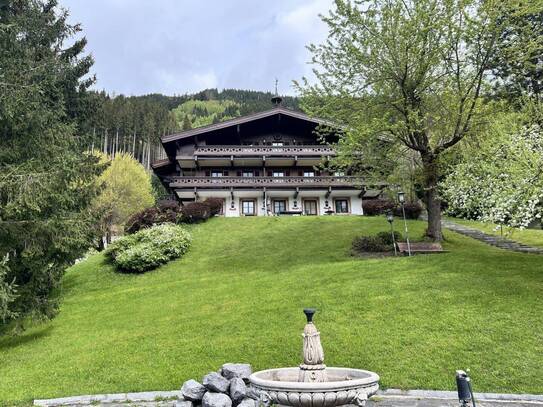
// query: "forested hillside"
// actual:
[[134, 124]]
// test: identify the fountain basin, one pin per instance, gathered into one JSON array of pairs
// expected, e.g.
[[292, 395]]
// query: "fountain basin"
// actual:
[[343, 386]]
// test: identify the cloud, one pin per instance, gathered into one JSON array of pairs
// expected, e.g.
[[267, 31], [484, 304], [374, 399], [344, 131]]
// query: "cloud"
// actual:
[[173, 46]]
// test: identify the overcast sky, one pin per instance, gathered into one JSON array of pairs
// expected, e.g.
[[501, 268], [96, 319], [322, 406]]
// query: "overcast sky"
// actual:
[[182, 46]]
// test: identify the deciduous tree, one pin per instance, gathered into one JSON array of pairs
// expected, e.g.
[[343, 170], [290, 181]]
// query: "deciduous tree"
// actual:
[[407, 73]]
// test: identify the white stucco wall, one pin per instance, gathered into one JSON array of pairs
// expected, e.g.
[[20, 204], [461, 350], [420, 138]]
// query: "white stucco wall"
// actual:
[[355, 202]]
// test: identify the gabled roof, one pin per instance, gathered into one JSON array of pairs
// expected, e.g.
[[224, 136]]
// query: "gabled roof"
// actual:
[[245, 119]]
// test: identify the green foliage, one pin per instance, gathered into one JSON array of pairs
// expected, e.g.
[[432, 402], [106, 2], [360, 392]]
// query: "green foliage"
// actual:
[[380, 243], [406, 74], [196, 113], [8, 293], [499, 179], [386, 237], [125, 189], [46, 181], [149, 248], [369, 244]]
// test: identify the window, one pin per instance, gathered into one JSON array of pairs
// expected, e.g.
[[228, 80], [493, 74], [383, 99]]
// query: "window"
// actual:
[[277, 144], [248, 207], [279, 173], [339, 173], [279, 206], [216, 174], [309, 173], [247, 174], [342, 206]]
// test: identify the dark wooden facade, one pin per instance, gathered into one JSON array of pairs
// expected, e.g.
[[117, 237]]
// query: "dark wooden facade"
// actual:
[[271, 159]]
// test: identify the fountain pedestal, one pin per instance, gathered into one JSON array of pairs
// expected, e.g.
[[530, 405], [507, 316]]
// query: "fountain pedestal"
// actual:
[[312, 384]]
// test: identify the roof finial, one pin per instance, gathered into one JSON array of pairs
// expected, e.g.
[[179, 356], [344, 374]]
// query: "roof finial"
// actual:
[[276, 100]]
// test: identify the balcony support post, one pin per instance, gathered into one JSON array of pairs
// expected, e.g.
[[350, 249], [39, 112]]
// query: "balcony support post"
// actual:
[[196, 196], [328, 192], [232, 160]]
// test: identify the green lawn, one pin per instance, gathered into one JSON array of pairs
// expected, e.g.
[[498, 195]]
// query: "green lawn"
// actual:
[[532, 237], [238, 295]]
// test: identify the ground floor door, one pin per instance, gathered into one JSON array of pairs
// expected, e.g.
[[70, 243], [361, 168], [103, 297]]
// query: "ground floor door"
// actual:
[[279, 206], [248, 207], [310, 207]]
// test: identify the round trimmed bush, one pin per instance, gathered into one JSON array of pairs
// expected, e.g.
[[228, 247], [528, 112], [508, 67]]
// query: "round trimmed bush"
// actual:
[[149, 248]]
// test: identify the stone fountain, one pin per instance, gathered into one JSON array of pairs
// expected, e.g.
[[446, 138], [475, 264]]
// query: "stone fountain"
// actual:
[[312, 384]]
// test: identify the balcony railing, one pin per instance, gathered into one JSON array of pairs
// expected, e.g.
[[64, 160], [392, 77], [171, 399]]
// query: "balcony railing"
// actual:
[[236, 150], [223, 182]]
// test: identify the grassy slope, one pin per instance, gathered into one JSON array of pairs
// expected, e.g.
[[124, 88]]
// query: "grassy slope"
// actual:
[[238, 294], [532, 237]]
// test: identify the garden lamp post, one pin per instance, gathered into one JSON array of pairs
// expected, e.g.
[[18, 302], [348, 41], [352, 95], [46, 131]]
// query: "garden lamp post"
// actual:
[[390, 219], [401, 199]]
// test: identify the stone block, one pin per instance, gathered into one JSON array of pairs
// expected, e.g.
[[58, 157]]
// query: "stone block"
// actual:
[[242, 370], [216, 400], [192, 390], [216, 383]]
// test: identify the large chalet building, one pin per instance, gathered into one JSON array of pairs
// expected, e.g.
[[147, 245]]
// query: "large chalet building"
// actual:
[[267, 163]]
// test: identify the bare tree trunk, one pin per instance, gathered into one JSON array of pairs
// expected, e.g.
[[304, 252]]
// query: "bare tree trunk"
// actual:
[[105, 142], [134, 146], [433, 201]]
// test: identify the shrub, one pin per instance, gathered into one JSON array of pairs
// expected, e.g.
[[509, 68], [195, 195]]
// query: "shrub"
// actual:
[[195, 212], [370, 244], [166, 211], [412, 210], [149, 248], [374, 207], [215, 205], [386, 237]]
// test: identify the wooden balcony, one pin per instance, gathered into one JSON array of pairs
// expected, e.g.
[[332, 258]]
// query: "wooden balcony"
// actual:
[[256, 182], [269, 151], [256, 156]]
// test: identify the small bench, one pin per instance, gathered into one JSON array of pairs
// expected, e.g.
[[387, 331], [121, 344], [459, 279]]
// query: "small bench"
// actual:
[[420, 247]]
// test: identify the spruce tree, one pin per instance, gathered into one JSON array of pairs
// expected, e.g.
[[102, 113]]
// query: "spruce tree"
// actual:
[[46, 179]]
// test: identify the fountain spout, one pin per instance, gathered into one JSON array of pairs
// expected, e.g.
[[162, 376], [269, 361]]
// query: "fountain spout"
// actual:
[[313, 368]]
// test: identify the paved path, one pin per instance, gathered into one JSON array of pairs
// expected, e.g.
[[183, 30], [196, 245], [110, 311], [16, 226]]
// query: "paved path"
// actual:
[[383, 398], [492, 240]]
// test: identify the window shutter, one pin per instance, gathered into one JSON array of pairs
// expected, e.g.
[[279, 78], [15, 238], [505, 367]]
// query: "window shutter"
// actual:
[[287, 173], [270, 173], [257, 173], [239, 173], [208, 173], [225, 173]]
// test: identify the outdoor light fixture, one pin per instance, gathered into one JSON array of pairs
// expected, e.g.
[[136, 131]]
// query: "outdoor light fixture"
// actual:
[[465, 392], [401, 199], [390, 219]]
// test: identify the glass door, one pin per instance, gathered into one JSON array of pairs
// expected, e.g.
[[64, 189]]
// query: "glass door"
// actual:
[[310, 207]]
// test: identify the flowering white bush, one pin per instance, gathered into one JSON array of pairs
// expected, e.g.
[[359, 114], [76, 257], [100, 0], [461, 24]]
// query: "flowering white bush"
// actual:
[[502, 182], [149, 248]]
